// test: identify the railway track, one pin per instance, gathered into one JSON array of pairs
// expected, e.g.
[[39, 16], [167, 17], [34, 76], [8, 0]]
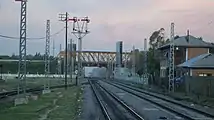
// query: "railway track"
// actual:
[[30, 90], [181, 110], [101, 94], [102, 106]]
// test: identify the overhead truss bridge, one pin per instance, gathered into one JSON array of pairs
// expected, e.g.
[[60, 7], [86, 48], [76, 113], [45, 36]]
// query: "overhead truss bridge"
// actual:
[[95, 57]]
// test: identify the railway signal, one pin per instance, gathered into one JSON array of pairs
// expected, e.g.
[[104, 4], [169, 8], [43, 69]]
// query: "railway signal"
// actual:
[[80, 30]]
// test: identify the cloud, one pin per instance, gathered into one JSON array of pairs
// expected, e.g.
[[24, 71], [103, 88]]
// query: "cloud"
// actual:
[[127, 20]]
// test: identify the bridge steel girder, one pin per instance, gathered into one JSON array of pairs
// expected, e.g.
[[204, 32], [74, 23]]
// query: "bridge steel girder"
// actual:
[[97, 57]]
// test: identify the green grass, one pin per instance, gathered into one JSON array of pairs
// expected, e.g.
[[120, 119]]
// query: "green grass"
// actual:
[[11, 84], [67, 107]]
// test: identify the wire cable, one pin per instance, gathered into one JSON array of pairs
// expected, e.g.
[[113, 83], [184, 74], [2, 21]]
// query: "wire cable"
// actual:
[[39, 38]]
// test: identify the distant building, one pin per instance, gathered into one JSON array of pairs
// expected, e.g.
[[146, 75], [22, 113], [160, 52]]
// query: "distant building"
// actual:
[[186, 48], [62, 53], [135, 56], [119, 52]]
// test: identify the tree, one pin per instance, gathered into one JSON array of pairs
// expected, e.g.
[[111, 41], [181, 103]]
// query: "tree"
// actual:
[[156, 40], [13, 56], [200, 38], [153, 55], [29, 57], [140, 63], [38, 56]]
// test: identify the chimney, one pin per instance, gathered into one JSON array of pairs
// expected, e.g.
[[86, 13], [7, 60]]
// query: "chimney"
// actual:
[[60, 47], [188, 36]]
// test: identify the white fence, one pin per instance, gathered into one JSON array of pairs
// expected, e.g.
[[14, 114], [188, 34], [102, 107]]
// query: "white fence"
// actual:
[[13, 76]]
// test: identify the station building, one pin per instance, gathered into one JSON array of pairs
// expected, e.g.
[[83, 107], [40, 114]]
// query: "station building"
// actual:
[[192, 56], [202, 65]]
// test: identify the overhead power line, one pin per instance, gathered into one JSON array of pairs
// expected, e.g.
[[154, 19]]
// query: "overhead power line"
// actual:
[[39, 38]]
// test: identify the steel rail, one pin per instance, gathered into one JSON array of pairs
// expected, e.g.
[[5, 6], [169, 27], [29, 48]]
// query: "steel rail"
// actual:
[[130, 110], [167, 100], [103, 108], [156, 103]]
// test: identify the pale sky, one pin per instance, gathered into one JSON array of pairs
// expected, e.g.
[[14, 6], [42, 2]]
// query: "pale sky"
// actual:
[[111, 20]]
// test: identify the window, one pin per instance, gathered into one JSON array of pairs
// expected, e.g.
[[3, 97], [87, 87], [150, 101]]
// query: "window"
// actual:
[[201, 74], [163, 73], [205, 74]]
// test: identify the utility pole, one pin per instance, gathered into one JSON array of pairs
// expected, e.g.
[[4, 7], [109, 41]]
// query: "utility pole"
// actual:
[[47, 56], [64, 17], [60, 61], [126, 57], [145, 56], [54, 59], [80, 30], [133, 61], [145, 62], [1, 69], [53, 50], [113, 67], [108, 68], [71, 59], [22, 48], [171, 61]]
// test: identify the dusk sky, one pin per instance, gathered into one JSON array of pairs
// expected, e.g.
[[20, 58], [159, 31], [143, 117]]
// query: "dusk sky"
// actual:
[[111, 20]]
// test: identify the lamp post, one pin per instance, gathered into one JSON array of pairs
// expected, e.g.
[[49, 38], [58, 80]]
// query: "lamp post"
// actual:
[[1, 71], [71, 61]]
